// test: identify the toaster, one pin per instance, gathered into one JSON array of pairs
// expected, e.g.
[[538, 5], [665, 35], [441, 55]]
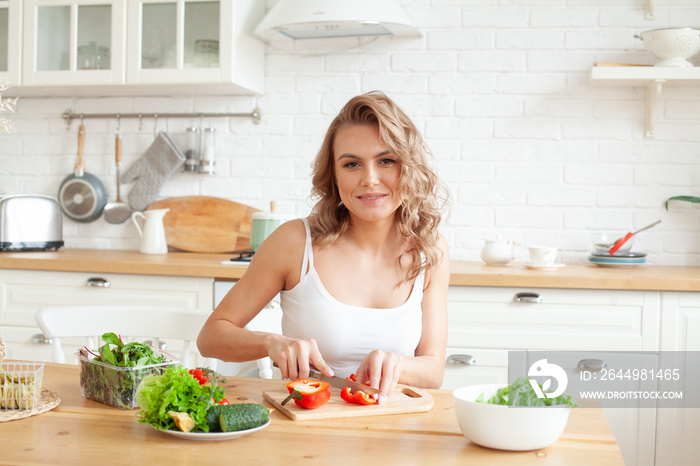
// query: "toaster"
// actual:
[[30, 222]]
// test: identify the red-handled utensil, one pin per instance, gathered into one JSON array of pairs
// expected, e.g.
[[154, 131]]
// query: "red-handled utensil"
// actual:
[[618, 244]]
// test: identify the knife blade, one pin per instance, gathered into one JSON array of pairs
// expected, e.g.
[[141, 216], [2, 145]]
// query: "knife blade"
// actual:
[[339, 382]]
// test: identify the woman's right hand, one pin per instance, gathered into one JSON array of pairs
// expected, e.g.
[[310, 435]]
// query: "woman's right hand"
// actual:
[[294, 357]]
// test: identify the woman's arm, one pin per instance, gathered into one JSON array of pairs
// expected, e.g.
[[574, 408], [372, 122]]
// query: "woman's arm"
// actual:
[[276, 266], [426, 368]]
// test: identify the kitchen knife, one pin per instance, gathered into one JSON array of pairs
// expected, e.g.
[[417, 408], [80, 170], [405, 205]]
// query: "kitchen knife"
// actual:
[[339, 382]]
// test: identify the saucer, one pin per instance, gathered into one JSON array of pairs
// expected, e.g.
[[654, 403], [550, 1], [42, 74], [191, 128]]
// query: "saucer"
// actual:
[[530, 265]]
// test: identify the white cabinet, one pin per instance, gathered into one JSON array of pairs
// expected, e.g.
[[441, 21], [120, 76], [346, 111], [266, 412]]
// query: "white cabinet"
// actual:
[[22, 292], [678, 429], [486, 322], [93, 46], [10, 40], [73, 42]]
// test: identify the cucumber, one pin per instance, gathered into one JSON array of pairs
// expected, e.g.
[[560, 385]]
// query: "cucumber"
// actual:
[[242, 416], [212, 418]]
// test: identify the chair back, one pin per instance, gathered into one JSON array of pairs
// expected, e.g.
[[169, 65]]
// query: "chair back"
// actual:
[[154, 323]]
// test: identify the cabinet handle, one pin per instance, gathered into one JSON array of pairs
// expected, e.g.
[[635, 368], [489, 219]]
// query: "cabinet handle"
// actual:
[[592, 365], [527, 297], [98, 282], [40, 338], [461, 360]]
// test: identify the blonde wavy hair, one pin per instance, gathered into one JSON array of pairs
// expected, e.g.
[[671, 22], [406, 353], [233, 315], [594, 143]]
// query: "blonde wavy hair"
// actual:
[[422, 193]]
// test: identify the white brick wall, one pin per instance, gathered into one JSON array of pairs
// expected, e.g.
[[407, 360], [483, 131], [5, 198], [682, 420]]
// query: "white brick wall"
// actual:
[[528, 148]]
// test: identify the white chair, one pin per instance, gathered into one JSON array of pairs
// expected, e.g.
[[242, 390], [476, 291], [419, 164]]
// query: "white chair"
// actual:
[[131, 322]]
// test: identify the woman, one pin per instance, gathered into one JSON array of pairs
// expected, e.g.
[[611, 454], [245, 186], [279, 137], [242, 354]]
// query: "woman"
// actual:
[[363, 280]]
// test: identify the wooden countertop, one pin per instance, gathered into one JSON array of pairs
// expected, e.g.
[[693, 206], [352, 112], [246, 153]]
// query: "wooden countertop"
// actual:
[[584, 276], [87, 432]]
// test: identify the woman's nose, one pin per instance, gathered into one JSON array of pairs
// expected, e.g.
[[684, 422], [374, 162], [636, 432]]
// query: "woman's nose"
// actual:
[[370, 176]]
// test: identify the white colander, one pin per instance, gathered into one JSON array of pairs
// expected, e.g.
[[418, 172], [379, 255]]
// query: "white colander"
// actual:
[[672, 45]]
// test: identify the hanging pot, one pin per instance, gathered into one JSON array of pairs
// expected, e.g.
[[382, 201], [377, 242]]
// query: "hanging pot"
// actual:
[[82, 196]]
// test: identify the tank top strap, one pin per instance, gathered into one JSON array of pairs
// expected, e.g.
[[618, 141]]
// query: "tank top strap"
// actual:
[[308, 261]]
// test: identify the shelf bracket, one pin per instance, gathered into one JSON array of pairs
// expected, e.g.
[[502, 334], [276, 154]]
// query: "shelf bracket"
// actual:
[[650, 7], [653, 94]]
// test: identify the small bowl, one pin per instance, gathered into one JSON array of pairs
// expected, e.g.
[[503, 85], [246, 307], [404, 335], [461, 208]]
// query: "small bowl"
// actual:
[[507, 428], [673, 46], [602, 241]]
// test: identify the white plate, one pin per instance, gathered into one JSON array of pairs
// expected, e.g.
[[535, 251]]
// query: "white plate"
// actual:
[[212, 435], [620, 265], [532, 266]]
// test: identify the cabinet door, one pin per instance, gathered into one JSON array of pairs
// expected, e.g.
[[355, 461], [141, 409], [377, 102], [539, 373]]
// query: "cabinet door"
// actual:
[[194, 42], [474, 366], [74, 42], [25, 291], [678, 429], [550, 318], [10, 41]]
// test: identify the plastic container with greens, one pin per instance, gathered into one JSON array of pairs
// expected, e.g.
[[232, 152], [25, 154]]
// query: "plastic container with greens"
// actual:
[[111, 374]]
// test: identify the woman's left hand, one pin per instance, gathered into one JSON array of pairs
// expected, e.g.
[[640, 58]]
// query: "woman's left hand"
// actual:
[[382, 370]]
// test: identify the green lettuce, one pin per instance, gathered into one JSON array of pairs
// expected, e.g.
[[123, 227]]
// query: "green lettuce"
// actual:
[[521, 393], [175, 390]]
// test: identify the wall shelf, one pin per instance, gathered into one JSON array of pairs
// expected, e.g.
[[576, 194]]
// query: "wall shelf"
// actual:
[[651, 77]]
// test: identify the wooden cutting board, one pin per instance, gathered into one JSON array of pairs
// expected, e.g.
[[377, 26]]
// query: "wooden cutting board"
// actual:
[[403, 400], [206, 224]]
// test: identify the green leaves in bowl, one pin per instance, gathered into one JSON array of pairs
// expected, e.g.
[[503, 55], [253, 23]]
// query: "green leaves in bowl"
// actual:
[[521, 393]]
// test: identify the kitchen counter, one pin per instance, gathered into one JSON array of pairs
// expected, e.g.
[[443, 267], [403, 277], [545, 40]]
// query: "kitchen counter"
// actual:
[[93, 432], [581, 276]]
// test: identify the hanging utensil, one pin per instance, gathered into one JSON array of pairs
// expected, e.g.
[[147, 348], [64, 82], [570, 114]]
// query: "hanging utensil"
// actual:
[[118, 212], [618, 244], [82, 196]]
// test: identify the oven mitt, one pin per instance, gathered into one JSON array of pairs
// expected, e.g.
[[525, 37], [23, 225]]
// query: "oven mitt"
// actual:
[[152, 170]]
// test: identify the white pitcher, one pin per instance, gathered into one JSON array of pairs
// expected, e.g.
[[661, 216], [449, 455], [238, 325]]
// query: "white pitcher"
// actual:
[[153, 233], [498, 251]]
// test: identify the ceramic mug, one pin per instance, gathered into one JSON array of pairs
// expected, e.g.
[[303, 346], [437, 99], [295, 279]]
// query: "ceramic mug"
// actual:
[[543, 255], [264, 223]]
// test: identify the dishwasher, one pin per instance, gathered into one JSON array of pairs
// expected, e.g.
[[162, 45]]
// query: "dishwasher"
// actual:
[[268, 320]]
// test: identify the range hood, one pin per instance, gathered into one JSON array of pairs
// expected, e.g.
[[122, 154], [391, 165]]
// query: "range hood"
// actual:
[[317, 19]]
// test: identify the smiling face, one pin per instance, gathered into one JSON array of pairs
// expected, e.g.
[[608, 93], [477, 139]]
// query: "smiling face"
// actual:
[[367, 173]]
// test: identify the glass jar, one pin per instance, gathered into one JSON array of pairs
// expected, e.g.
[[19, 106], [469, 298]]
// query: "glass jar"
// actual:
[[192, 149], [207, 162]]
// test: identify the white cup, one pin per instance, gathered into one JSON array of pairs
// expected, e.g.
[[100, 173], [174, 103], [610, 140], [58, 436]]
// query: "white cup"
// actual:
[[542, 255]]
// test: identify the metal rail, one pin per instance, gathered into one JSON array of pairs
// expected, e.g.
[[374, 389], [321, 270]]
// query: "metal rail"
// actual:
[[69, 116]]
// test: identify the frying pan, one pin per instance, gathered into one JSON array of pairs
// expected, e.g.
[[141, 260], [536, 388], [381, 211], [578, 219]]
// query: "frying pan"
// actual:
[[82, 196]]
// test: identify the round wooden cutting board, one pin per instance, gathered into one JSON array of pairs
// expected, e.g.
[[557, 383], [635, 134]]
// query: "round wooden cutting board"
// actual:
[[206, 224]]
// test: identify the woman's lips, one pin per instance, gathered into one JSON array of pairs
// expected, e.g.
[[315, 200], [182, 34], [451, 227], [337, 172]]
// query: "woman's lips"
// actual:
[[371, 196]]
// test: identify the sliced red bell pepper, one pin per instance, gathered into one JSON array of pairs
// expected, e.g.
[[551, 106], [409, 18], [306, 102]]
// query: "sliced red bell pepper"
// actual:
[[364, 399], [309, 394], [347, 396]]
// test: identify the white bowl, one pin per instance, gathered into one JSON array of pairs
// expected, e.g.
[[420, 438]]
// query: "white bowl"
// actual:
[[672, 45], [507, 428]]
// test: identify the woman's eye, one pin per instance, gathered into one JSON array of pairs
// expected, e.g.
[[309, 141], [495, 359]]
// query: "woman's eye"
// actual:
[[351, 165], [387, 161]]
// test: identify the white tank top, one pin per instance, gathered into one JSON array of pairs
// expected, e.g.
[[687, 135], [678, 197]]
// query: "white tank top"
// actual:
[[346, 334]]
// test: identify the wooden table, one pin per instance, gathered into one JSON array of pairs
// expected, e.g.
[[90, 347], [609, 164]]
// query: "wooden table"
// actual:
[[80, 431]]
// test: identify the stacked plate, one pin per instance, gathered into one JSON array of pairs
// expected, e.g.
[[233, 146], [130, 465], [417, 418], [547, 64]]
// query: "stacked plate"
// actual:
[[629, 259]]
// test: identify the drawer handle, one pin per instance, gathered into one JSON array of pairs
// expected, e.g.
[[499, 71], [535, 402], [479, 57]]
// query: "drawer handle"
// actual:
[[592, 365], [98, 282], [461, 360], [527, 297], [40, 338]]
